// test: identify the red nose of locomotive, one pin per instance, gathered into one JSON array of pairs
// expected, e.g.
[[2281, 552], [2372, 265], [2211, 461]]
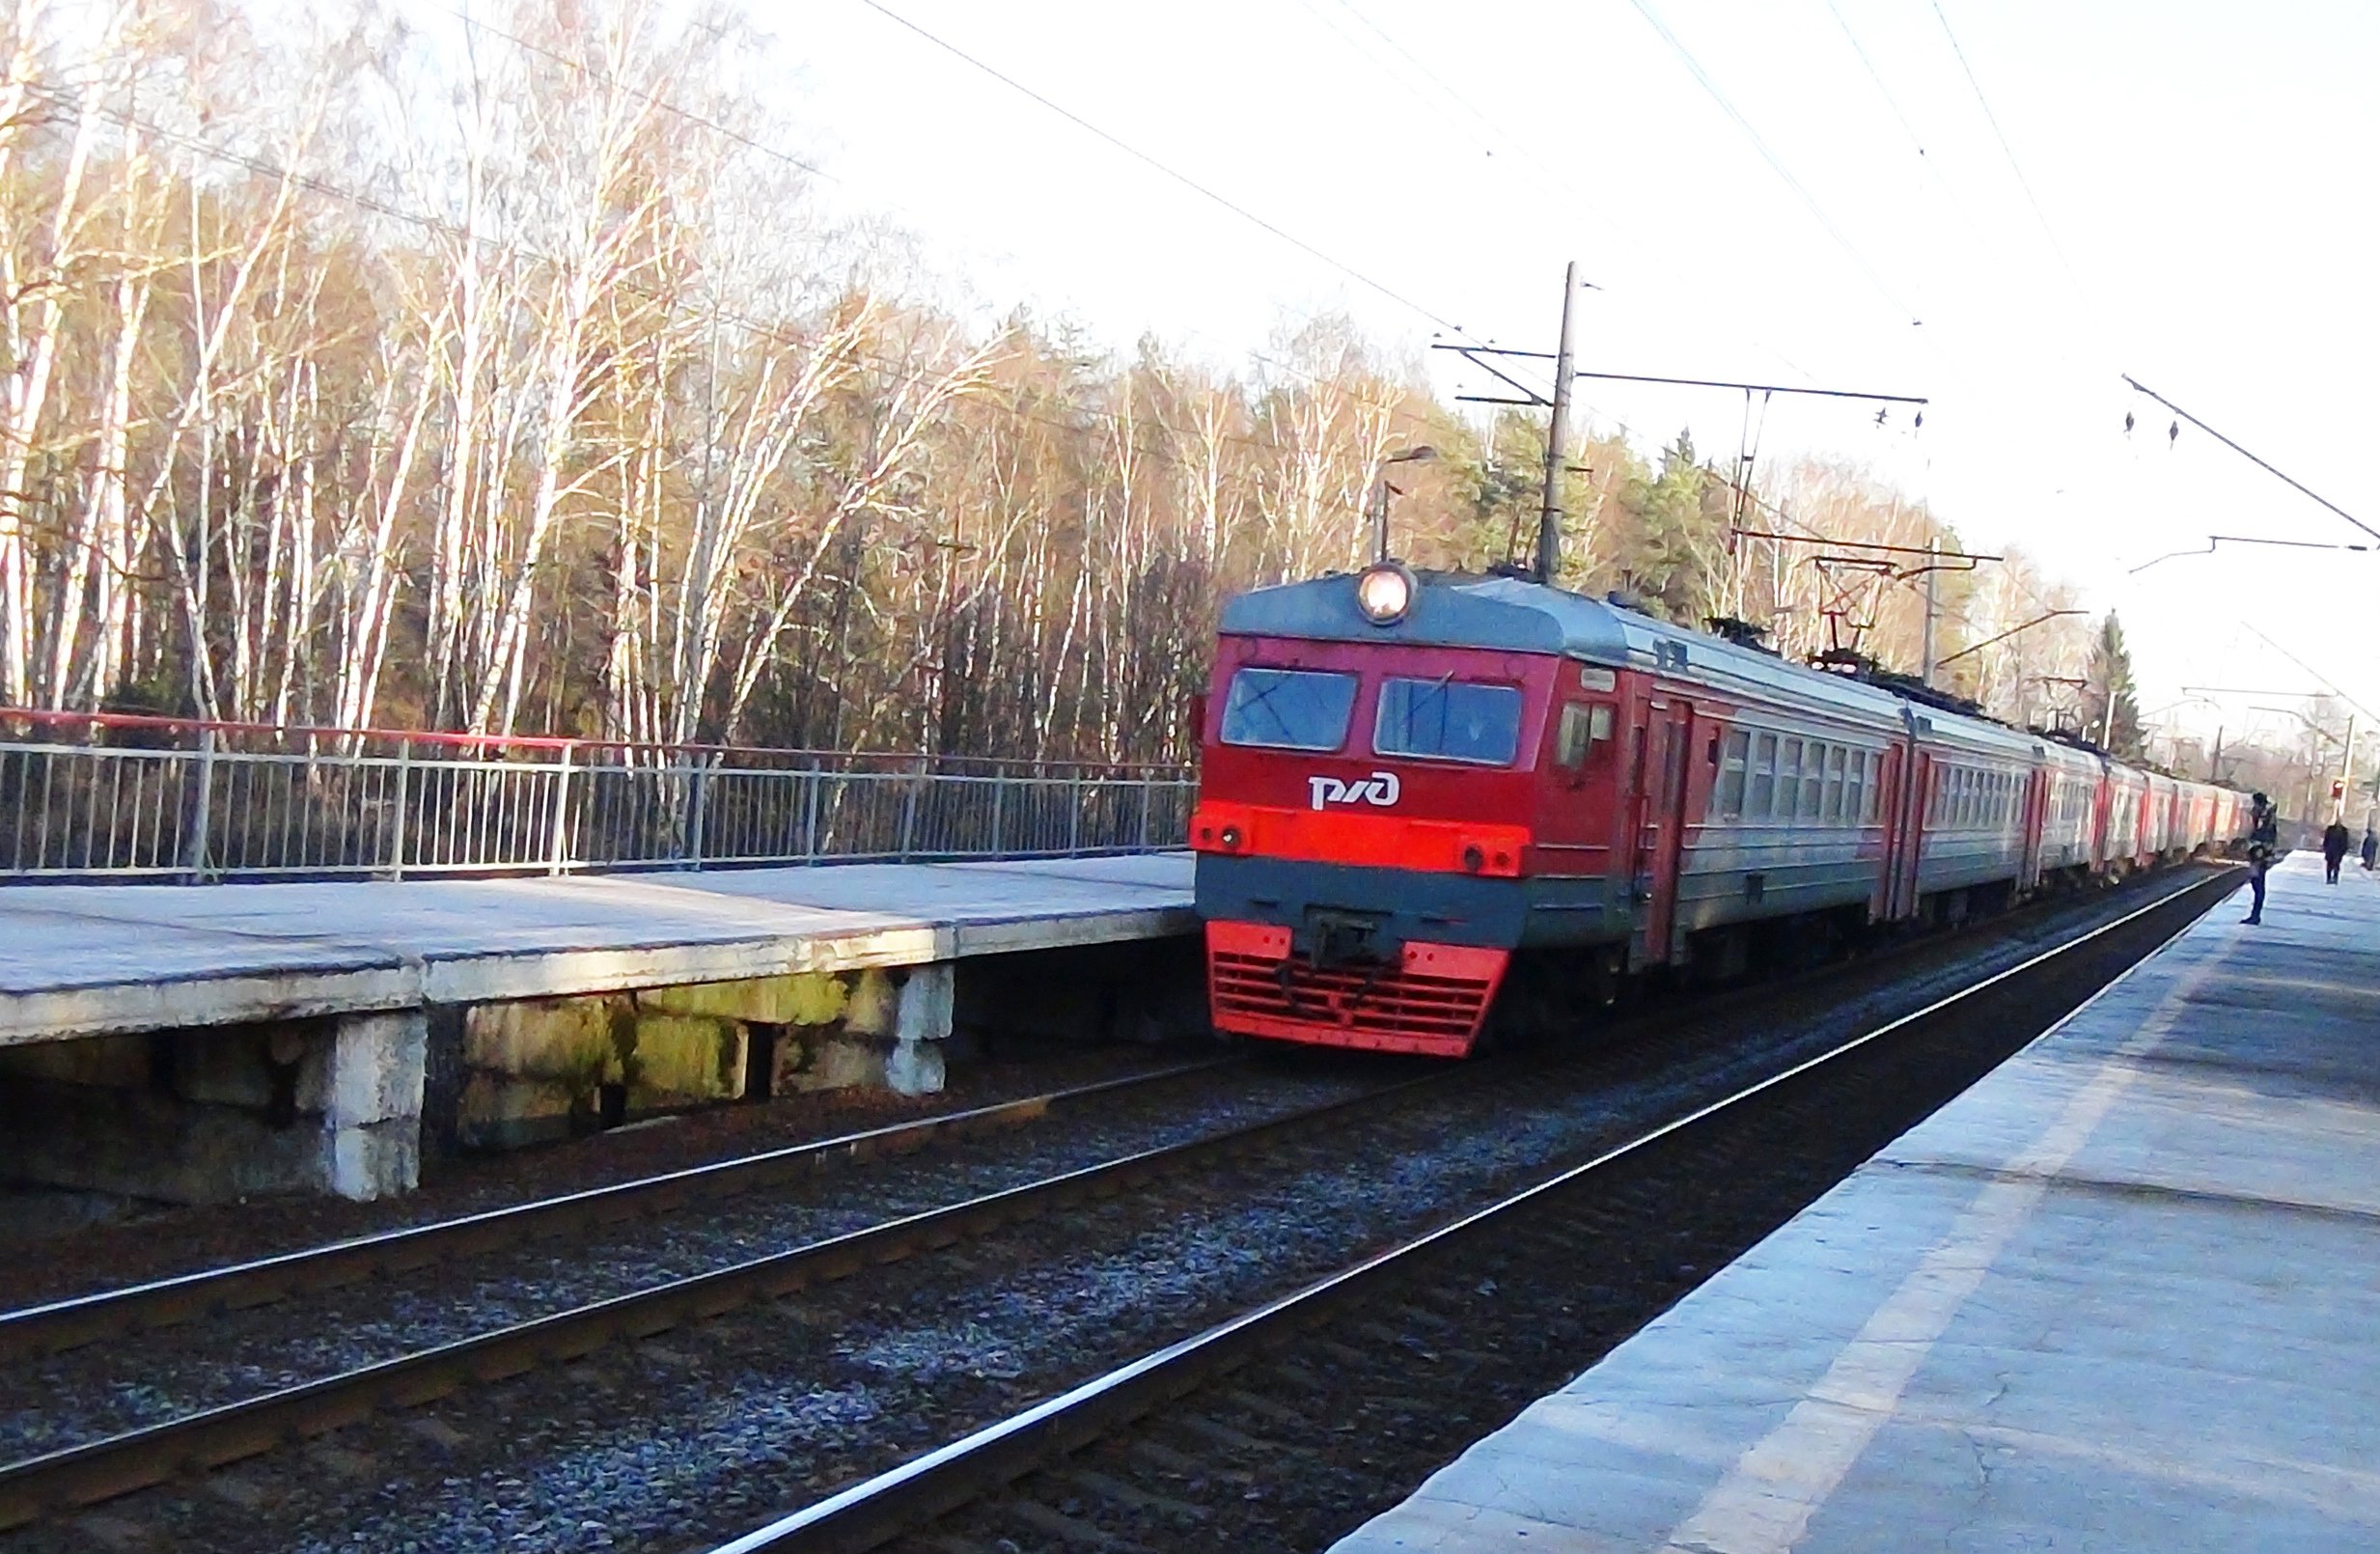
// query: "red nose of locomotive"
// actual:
[[1363, 833]]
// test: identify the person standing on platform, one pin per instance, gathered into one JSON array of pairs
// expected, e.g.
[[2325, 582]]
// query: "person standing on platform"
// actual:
[[2335, 843], [2263, 836], [2372, 847]]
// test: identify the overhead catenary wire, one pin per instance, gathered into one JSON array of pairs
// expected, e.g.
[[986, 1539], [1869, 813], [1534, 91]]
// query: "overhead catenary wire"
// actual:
[[2009, 152], [2281, 475], [1523, 146], [1168, 171], [743, 323], [1916, 142], [650, 98], [739, 138], [1776, 164]]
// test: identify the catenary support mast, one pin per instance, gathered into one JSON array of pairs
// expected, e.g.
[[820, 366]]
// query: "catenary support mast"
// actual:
[[1557, 440]]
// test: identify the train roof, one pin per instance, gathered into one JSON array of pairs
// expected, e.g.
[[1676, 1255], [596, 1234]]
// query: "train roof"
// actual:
[[1515, 615]]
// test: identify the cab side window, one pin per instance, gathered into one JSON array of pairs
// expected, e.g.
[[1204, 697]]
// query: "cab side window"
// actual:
[[1584, 725]]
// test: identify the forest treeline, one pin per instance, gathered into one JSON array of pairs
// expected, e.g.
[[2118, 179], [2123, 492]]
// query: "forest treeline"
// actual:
[[497, 379]]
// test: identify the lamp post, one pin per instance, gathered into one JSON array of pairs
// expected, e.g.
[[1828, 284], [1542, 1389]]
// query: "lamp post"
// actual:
[[1382, 490]]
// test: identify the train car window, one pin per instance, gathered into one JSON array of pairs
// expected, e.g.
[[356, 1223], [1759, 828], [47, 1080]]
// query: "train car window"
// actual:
[[1447, 720], [1813, 777], [1834, 785], [1730, 803], [1788, 778], [1764, 777], [1288, 709], [1875, 784], [1573, 737], [1855, 768]]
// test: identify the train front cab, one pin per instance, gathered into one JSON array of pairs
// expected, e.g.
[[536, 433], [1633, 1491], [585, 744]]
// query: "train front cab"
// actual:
[[1360, 867]]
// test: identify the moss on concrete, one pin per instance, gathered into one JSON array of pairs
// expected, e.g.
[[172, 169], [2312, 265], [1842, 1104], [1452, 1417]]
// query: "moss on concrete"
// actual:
[[569, 1039], [685, 1056]]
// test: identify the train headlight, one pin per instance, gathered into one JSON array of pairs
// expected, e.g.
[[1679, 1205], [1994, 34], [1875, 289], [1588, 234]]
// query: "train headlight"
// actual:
[[1384, 592]]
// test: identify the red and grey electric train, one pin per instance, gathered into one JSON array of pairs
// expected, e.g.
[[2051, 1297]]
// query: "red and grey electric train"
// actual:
[[1408, 779]]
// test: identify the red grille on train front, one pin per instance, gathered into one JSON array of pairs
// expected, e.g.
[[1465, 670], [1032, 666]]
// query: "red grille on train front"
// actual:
[[1431, 1001]]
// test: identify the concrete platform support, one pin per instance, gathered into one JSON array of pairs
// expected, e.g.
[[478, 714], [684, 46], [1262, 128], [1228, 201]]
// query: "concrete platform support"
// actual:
[[371, 1104], [545, 1069], [921, 1030], [206, 1115]]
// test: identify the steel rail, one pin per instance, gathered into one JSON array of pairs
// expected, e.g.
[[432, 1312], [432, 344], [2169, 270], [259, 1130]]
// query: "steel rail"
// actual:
[[908, 1497], [59, 1325], [83, 1475]]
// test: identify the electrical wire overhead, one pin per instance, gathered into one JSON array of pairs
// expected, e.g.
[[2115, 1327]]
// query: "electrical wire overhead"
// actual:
[[1170, 171], [1776, 165], [2173, 433], [2009, 152]]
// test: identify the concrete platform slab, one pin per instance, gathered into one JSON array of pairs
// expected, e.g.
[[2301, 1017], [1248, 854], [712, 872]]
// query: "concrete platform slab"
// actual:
[[2118, 1296], [96, 959]]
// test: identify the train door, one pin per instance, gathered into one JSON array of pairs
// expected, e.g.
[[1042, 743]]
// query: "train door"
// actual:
[[1905, 847], [1669, 739], [2035, 820]]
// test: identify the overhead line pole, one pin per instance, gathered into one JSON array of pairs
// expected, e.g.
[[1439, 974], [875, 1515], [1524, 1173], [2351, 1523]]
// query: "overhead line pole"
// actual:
[[1934, 614], [1557, 440]]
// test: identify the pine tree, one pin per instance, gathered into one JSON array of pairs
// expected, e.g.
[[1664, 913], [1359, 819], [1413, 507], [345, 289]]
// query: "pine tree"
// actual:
[[2109, 682], [1669, 542]]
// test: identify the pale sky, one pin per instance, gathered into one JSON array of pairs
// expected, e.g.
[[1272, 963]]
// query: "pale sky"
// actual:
[[2204, 172]]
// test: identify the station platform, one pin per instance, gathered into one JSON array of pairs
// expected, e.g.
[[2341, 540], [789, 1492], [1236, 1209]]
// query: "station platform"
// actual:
[[100, 959], [195, 1044], [2121, 1295]]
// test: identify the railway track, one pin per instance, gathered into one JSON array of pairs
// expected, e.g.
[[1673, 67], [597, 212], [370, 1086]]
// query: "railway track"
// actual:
[[47, 1487], [1173, 1450], [83, 1475], [57, 1326]]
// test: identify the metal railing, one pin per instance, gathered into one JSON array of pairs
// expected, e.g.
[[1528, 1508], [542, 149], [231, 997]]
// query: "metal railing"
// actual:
[[86, 796]]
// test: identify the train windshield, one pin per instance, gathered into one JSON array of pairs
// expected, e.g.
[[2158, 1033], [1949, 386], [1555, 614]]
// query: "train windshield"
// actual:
[[1447, 720], [1288, 709]]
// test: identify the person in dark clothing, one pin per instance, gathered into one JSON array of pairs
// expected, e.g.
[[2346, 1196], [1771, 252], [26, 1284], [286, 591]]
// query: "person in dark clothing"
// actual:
[[2372, 847], [2264, 837], [2334, 844]]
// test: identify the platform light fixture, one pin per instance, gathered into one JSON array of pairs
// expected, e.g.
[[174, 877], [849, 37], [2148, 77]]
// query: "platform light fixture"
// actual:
[[1382, 490]]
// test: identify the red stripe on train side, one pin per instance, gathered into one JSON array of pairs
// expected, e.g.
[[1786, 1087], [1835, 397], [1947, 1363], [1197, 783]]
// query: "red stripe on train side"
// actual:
[[1378, 841]]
